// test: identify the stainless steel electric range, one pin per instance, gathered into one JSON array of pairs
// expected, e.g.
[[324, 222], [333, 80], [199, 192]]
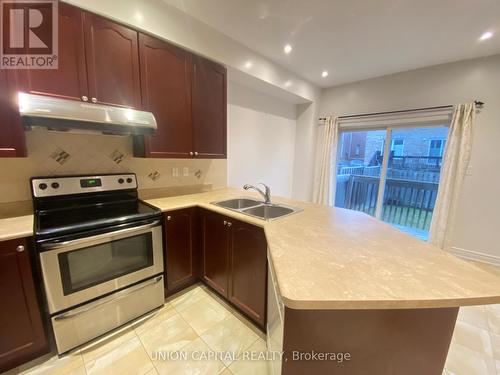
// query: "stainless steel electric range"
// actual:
[[99, 251]]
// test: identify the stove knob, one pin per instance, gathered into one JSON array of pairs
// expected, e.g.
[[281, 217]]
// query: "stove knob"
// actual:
[[120, 181], [43, 186], [55, 185], [129, 180]]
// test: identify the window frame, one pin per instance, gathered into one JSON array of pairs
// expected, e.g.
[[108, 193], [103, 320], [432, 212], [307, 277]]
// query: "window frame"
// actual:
[[402, 146], [441, 148]]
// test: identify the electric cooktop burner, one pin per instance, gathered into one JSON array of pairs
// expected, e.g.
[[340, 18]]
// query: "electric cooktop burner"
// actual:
[[74, 204]]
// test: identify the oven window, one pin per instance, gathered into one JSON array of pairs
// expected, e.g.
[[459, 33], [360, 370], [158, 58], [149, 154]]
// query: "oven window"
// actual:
[[89, 266]]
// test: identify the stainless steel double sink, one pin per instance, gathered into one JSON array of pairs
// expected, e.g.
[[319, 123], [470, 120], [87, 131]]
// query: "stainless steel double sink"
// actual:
[[258, 209]]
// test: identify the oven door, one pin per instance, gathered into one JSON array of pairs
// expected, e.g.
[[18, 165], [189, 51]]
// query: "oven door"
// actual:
[[82, 269]]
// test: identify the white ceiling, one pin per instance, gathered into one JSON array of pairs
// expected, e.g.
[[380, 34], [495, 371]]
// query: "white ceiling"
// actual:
[[354, 39]]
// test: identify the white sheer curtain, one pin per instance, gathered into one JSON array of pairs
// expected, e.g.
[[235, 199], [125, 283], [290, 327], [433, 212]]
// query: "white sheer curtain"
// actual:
[[324, 182], [455, 163]]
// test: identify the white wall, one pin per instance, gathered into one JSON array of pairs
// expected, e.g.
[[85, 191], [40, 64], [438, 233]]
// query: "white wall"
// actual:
[[305, 153], [261, 140], [477, 231]]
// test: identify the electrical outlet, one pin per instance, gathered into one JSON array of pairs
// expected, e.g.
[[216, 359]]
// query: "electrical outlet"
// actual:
[[185, 171], [175, 172]]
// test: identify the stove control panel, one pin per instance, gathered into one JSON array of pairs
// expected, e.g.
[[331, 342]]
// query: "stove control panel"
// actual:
[[55, 186]]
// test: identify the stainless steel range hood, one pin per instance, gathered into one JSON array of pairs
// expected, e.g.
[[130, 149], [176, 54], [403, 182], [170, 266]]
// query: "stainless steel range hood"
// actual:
[[70, 115]]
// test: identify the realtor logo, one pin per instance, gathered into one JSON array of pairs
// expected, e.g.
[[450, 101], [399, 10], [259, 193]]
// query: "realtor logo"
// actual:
[[29, 34]]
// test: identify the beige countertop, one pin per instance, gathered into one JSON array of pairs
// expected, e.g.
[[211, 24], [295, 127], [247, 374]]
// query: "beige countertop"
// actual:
[[16, 227], [330, 258]]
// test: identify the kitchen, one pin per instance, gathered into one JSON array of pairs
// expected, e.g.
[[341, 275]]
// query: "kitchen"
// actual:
[[128, 228]]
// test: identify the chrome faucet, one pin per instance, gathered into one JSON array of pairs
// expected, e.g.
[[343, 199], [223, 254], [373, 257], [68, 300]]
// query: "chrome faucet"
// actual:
[[266, 195]]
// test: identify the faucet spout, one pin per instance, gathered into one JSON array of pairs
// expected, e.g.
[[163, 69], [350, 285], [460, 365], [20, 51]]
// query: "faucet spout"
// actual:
[[265, 194]]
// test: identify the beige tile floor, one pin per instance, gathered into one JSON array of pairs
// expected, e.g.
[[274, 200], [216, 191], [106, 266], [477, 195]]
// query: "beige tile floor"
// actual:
[[198, 321], [195, 321], [475, 347]]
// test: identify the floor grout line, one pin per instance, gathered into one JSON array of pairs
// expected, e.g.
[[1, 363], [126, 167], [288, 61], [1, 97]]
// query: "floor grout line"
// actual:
[[149, 357]]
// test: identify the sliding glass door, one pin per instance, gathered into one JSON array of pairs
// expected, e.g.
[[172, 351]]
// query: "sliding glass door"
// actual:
[[359, 166], [392, 174]]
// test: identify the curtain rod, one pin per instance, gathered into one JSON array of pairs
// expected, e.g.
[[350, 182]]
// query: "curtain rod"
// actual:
[[477, 102]]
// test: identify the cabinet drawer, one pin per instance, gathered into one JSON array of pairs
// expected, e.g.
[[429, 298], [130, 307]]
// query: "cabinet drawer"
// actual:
[[82, 324]]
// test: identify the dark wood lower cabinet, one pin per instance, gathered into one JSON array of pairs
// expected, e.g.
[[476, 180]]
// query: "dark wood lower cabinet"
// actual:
[[235, 263], [181, 255], [248, 270], [215, 240], [22, 334]]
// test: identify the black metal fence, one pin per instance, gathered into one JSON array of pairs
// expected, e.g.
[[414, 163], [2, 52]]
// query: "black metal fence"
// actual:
[[406, 202]]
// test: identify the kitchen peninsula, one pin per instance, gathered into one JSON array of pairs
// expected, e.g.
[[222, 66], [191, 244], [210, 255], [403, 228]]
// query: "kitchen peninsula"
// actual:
[[340, 281]]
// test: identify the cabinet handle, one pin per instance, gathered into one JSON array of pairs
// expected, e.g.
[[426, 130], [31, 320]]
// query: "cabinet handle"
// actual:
[[85, 99], [20, 248], [94, 100], [196, 153], [229, 223], [169, 217], [191, 153]]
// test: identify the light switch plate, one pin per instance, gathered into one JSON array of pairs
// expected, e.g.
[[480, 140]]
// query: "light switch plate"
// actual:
[[175, 172], [185, 171]]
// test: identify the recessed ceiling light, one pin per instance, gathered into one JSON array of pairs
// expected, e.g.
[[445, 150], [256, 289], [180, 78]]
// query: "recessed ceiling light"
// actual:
[[486, 35], [248, 65], [287, 48], [324, 74]]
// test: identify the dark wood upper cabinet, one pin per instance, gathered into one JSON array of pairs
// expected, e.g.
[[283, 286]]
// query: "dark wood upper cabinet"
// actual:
[[12, 141], [69, 80], [180, 249], [22, 333], [101, 61], [166, 91], [112, 55], [248, 270], [215, 252], [209, 109]]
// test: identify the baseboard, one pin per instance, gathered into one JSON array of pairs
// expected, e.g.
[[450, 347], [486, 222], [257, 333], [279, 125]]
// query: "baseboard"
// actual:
[[476, 255]]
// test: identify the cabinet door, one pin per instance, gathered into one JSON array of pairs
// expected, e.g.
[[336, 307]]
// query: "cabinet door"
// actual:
[[69, 80], [248, 270], [215, 252], [180, 254], [209, 109], [12, 141], [22, 333], [112, 62], [166, 91]]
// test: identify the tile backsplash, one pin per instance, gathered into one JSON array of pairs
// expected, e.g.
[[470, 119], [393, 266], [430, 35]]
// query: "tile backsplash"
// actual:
[[51, 153]]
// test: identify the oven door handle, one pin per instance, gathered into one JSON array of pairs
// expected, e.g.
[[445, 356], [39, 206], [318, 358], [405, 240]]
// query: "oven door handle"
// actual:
[[106, 300], [98, 238]]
